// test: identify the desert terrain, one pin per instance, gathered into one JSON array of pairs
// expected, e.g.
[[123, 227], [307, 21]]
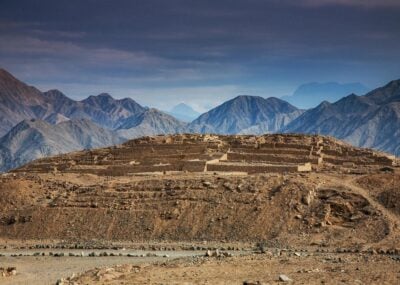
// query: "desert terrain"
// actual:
[[311, 208]]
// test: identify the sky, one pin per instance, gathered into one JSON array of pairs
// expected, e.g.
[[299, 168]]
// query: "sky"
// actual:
[[163, 52]]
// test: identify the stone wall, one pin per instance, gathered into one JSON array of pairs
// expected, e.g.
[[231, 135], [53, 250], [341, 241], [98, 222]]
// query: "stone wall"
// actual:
[[271, 150], [251, 168], [120, 170], [271, 158]]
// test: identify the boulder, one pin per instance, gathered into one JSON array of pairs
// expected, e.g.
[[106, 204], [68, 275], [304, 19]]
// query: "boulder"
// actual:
[[284, 278]]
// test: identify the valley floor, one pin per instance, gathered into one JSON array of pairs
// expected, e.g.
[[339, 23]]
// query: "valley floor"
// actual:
[[265, 269], [302, 266]]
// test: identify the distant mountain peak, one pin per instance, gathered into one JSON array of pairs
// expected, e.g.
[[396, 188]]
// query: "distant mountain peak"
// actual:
[[246, 97], [244, 112], [55, 94], [181, 105], [184, 112], [104, 95]]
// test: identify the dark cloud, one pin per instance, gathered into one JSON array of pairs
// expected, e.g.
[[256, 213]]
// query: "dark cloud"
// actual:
[[150, 48]]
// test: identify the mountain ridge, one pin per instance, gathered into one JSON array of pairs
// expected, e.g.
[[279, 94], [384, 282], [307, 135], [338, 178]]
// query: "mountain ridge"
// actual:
[[30, 120], [243, 112], [371, 120], [32, 139]]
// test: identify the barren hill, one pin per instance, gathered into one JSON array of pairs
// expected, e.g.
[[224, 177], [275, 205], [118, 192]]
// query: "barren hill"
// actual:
[[297, 190]]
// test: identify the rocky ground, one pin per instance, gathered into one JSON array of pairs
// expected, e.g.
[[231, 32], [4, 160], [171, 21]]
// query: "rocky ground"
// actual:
[[271, 267], [336, 223]]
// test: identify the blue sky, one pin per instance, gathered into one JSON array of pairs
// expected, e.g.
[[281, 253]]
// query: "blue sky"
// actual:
[[199, 52]]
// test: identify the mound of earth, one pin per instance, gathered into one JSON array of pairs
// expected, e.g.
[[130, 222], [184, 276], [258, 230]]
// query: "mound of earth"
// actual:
[[385, 188], [284, 189]]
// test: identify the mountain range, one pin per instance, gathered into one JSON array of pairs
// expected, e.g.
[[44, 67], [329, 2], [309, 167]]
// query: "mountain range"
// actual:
[[35, 124], [31, 139], [372, 120]]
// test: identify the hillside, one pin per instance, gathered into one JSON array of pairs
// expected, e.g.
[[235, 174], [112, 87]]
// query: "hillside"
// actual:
[[200, 187], [34, 124], [246, 114], [101, 109], [32, 139], [150, 122], [372, 120], [19, 101]]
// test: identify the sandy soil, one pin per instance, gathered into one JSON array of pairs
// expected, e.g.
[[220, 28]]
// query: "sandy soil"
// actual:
[[43, 270], [98, 198], [319, 268]]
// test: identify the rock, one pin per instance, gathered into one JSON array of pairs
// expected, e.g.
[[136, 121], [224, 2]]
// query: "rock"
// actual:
[[228, 186], [60, 281], [284, 278], [12, 271], [251, 283], [308, 198], [216, 253]]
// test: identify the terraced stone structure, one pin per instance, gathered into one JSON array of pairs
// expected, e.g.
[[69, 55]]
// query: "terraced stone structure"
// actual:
[[288, 188], [209, 153]]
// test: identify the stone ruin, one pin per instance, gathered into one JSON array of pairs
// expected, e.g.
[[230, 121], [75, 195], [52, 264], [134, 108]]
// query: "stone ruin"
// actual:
[[211, 153]]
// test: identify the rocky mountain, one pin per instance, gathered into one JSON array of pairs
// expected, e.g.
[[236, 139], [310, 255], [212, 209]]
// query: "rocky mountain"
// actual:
[[19, 101], [61, 124], [184, 112], [32, 139], [311, 94], [150, 122], [101, 109], [246, 114], [372, 120]]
